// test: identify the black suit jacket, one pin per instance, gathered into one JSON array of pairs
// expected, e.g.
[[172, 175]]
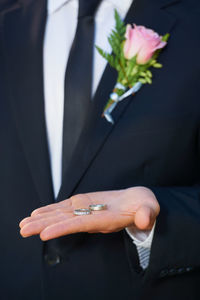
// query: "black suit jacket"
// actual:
[[154, 143]]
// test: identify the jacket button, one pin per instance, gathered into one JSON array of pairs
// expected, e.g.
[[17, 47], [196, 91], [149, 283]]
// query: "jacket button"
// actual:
[[164, 273], [52, 259], [181, 270], [172, 271], [188, 269]]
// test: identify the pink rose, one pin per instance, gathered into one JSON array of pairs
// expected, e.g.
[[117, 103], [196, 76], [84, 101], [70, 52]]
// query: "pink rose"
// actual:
[[142, 42]]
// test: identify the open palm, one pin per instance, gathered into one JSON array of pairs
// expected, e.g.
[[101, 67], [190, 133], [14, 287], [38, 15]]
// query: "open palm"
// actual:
[[134, 206]]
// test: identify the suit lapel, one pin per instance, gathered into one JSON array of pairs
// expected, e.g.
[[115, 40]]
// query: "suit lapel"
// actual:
[[142, 12], [23, 30]]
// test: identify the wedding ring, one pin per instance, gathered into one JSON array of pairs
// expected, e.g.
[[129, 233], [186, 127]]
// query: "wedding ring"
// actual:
[[82, 212], [97, 207]]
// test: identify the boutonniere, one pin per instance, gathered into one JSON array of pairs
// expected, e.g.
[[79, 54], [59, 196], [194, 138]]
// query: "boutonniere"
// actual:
[[135, 50]]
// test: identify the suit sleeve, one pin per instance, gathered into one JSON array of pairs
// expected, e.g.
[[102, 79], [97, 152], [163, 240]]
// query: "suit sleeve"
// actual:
[[176, 246], [176, 242]]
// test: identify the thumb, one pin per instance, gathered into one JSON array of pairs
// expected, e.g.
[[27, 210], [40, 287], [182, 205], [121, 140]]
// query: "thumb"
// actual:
[[145, 217]]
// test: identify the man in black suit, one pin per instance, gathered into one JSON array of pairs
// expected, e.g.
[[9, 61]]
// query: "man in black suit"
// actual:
[[148, 159]]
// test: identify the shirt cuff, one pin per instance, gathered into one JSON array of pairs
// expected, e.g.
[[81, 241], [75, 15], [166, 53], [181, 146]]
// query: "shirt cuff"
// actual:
[[143, 241], [141, 238]]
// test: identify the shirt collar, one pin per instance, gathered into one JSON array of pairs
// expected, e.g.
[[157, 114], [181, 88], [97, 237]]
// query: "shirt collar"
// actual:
[[119, 4], [54, 5]]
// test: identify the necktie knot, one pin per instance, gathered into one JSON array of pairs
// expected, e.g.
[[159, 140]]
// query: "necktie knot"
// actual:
[[87, 7]]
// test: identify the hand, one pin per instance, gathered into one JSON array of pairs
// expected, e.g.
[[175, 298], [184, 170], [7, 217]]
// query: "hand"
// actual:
[[136, 206]]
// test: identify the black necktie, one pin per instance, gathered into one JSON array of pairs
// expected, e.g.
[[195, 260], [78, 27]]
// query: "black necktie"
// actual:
[[78, 79]]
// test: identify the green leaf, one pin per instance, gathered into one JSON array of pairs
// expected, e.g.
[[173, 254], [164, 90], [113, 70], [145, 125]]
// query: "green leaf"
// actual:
[[148, 80], [114, 43], [143, 74], [130, 66], [165, 38], [152, 62], [120, 26], [157, 65], [149, 74], [109, 57], [135, 70], [142, 80]]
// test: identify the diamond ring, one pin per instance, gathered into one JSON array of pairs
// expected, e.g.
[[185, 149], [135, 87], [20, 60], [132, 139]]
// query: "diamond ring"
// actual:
[[82, 212]]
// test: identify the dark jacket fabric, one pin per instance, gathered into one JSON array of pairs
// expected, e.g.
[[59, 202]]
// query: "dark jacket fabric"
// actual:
[[154, 143]]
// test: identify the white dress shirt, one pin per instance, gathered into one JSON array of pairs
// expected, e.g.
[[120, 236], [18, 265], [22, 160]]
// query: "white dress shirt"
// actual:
[[59, 35]]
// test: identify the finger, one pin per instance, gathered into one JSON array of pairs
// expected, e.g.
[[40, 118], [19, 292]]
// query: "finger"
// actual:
[[76, 201], [145, 217], [95, 223], [45, 215], [35, 227], [49, 208]]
